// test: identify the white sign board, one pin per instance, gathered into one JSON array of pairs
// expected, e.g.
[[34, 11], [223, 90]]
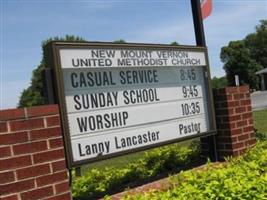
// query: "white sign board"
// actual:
[[119, 99]]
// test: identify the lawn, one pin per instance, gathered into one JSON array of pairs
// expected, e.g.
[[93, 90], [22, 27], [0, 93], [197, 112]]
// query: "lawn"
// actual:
[[260, 120]]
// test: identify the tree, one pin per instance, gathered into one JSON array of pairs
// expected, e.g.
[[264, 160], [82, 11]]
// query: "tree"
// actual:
[[219, 82], [120, 41], [174, 43], [238, 61], [245, 57], [34, 94], [257, 43]]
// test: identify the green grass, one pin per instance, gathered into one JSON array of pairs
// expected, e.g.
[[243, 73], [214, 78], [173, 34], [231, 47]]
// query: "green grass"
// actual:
[[260, 120], [117, 162]]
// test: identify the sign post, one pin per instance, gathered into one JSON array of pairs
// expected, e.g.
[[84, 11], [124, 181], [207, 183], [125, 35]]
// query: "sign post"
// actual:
[[200, 41], [120, 98]]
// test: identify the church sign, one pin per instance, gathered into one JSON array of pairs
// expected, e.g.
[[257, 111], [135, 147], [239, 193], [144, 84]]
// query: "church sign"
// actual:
[[121, 98]]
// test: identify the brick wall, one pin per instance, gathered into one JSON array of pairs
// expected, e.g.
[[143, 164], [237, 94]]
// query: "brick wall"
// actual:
[[32, 160], [234, 121]]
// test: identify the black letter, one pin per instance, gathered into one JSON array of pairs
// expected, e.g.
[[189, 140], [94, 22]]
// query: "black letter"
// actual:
[[74, 75], [76, 99]]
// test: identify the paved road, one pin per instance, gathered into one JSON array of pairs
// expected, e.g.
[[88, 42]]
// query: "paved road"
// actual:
[[259, 100]]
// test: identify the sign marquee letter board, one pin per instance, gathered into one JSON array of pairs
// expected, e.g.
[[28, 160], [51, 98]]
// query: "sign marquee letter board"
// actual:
[[120, 98]]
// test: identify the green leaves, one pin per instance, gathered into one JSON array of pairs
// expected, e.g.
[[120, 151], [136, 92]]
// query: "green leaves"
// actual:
[[245, 57], [96, 183], [241, 178]]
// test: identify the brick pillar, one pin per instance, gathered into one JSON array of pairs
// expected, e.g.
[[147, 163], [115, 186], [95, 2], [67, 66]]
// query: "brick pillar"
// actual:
[[234, 122], [32, 160]]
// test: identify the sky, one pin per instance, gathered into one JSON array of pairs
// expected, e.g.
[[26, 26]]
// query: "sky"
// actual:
[[24, 24]]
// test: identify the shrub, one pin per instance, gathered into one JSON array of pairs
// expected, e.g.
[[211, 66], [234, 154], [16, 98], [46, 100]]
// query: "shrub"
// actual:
[[241, 178], [96, 183], [260, 136]]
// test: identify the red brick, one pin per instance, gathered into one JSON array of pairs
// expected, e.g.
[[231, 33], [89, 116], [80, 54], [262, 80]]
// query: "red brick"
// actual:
[[16, 187], [234, 139], [236, 131], [26, 124], [231, 111], [239, 96], [234, 118], [247, 115], [7, 177], [10, 197], [231, 90], [245, 102], [37, 111], [48, 156], [233, 104], [248, 129], [250, 121], [55, 143], [59, 165], [15, 162], [238, 145], [52, 178], [249, 108], [5, 151], [229, 97], [251, 142], [240, 109], [30, 147], [3, 127], [62, 187], [241, 123], [37, 193], [244, 89], [243, 137], [11, 114], [66, 196], [45, 133], [13, 138], [33, 171], [53, 121]]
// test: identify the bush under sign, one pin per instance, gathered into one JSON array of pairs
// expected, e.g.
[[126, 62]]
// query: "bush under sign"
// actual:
[[120, 98]]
